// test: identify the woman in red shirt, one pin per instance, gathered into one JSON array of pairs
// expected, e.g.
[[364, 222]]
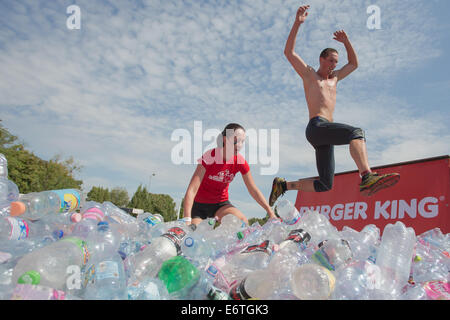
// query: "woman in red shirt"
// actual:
[[207, 193]]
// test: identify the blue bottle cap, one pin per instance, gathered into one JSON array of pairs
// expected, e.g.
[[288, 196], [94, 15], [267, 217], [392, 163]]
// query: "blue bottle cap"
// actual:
[[189, 242], [103, 226]]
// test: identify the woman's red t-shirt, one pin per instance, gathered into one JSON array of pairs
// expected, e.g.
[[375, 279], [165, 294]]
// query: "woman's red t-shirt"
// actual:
[[218, 175]]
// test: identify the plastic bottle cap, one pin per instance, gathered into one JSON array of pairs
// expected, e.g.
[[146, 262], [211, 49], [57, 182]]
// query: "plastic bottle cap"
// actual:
[[17, 208], [189, 242], [240, 235], [103, 226], [76, 217], [58, 234]]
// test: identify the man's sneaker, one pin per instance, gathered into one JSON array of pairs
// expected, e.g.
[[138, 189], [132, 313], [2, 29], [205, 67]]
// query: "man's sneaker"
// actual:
[[278, 189], [374, 182]]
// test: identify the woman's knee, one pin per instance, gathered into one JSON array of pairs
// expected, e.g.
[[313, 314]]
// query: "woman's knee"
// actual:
[[231, 210]]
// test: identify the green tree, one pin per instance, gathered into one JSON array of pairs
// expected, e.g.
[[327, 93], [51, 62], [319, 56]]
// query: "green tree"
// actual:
[[98, 194], [58, 174], [261, 221], [154, 203], [164, 205], [119, 196], [140, 199], [32, 174]]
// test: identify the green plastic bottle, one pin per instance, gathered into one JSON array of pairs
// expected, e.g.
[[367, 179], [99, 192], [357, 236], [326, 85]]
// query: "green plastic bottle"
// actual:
[[178, 274]]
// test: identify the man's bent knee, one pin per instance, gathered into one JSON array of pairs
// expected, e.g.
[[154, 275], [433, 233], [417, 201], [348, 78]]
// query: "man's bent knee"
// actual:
[[359, 134]]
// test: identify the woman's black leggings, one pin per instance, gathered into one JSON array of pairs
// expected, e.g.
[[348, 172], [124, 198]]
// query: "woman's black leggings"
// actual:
[[323, 136]]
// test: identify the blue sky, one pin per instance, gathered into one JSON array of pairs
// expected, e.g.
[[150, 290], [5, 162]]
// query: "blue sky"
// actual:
[[112, 93]]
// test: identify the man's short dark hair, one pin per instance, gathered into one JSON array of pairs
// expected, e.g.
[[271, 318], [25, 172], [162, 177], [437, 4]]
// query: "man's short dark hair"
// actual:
[[326, 52]]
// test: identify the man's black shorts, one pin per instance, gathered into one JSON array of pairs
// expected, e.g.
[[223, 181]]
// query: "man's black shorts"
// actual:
[[207, 210]]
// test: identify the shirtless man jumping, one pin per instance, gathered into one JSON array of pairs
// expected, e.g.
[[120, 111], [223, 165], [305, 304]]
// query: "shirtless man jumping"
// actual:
[[322, 132]]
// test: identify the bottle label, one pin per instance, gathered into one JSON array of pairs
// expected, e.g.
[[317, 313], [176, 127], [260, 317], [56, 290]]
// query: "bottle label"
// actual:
[[298, 236], [437, 290], [82, 245], [94, 214], [107, 269], [152, 221], [238, 292], [175, 235], [321, 257], [19, 229], [331, 280], [89, 276], [262, 247], [70, 199], [293, 220]]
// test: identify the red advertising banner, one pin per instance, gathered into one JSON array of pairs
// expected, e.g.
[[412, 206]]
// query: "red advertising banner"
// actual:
[[420, 199]]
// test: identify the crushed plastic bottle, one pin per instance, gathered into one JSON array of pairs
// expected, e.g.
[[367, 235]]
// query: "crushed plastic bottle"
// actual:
[[395, 257]]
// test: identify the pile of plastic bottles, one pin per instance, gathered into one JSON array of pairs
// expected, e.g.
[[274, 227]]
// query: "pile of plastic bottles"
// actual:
[[56, 245]]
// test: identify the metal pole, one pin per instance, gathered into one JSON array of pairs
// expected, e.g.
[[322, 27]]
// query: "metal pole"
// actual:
[[150, 181]]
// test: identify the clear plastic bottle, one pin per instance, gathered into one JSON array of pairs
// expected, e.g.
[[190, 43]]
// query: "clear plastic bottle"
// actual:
[[125, 219], [70, 199], [430, 262], [48, 266], [333, 254], [148, 289], [196, 248], [356, 280], [252, 234], [312, 282], [363, 244], [287, 211], [105, 275], [235, 265], [318, 226], [85, 222], [256, 285], [146, 221], [395, 256], [297, 239], [275, 230], [228, 234], [206, 226], [9, 192], [12, 228], [147, 262], [285, 260], [230, 224], [36, 205], [39, 231]]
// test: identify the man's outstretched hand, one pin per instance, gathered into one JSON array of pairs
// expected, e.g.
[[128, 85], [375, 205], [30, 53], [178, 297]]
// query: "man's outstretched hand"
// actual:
[[340, 36], [302, 13]]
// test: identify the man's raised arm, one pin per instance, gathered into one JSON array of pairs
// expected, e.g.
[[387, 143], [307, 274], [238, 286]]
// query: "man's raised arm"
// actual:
[[299, 65], [352, 63]]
